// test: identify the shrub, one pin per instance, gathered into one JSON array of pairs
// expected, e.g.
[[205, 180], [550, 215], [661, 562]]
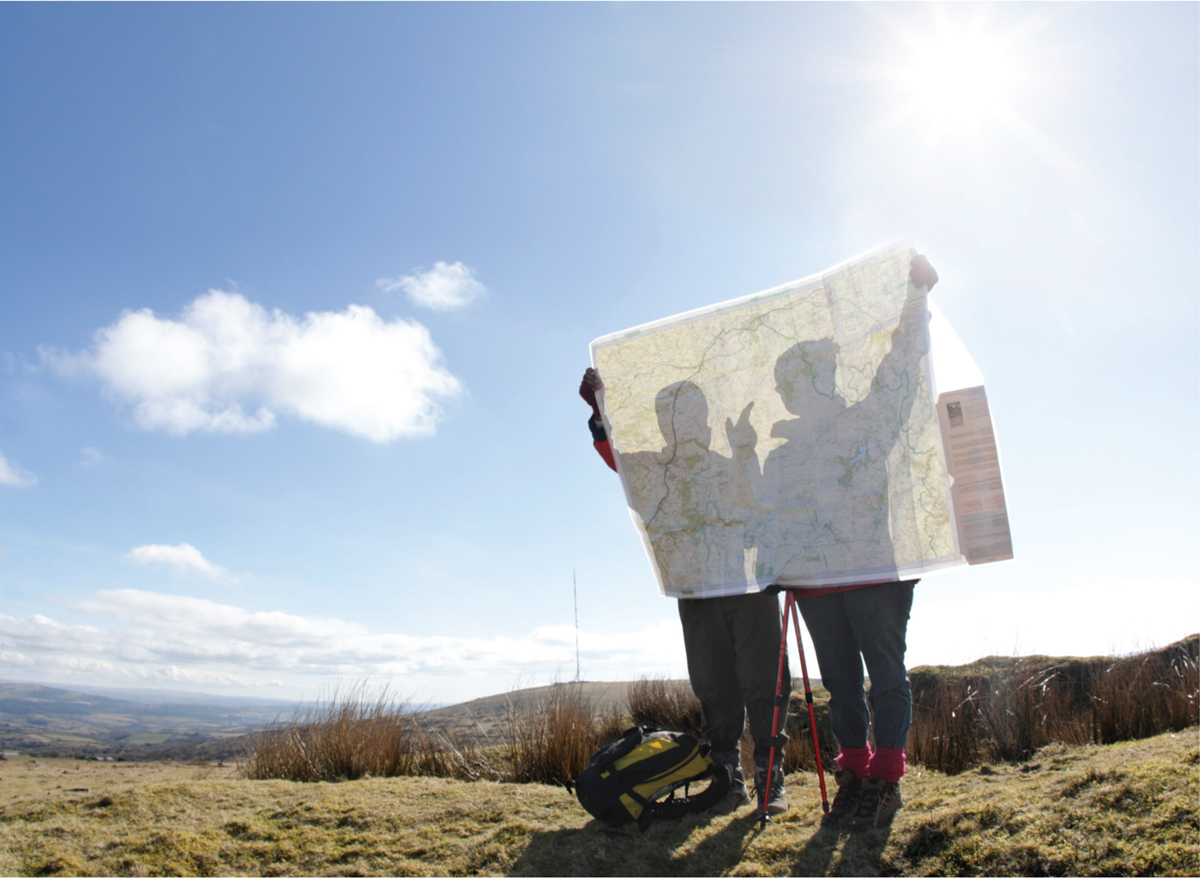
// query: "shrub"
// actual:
[[552, 740]]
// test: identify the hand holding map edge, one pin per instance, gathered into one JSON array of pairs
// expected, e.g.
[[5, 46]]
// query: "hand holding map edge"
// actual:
[[921, 273]]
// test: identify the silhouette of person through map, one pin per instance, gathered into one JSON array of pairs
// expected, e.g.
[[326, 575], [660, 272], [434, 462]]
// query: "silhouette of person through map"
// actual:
[[689, 484], [825, 489]]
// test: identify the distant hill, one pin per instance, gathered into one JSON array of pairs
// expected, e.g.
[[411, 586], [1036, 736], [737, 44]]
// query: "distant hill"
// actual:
[[45, 720], [486, 715], [178, 696]]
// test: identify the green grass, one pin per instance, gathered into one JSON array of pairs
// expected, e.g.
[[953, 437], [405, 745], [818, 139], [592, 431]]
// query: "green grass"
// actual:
[[1128, 808], [146, 738]]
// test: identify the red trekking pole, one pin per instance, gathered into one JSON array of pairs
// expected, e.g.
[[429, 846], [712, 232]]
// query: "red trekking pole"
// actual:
[[778, 740]]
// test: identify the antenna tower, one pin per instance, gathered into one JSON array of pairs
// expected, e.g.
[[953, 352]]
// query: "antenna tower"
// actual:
[[575, 588]]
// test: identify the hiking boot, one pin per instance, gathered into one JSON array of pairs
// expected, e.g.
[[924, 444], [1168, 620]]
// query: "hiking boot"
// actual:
[[845, 803], [777, 800], [737, 796], [879, 802]]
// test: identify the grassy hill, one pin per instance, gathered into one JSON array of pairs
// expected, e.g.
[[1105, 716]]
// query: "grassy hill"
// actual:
[[1128, 808], [487, 715]]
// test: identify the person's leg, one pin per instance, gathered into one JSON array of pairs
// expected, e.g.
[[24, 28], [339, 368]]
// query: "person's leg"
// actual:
[[755, 623], [841, 669], [711, 656], [756, 627], [712, 662], [879, 616]]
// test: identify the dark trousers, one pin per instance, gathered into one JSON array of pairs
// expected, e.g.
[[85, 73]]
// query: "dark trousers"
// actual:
[[733, 656], [865, 625]]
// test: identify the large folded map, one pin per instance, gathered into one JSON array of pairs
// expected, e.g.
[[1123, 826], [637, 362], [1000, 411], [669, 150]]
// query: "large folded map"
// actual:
[[790, 437]]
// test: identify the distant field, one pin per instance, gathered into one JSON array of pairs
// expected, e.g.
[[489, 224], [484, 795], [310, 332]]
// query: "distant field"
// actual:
[[1127, 808], [146, 738]]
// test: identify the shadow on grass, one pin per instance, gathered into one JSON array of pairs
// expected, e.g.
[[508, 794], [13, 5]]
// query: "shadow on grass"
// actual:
[[597, 850], [861, 854], [814, 858]]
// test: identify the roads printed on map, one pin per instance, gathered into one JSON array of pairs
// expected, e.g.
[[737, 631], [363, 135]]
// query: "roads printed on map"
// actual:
[[790, 437]]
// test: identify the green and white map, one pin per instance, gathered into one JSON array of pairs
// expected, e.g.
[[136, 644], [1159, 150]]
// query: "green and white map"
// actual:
[[790, 437]]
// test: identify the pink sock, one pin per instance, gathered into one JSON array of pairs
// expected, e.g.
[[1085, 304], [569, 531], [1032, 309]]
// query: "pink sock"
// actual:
[[856, 759], [887, 764]]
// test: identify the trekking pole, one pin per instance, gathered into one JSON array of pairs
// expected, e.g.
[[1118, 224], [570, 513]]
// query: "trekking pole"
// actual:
[[778, 740], [808, 697]]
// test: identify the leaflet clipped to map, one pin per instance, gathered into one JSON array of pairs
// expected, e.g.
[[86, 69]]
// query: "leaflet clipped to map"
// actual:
[[977, 491], [792, 438]]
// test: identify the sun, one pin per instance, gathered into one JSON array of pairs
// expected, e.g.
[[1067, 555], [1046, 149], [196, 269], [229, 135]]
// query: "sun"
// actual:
[[967, 84], [958, 81]]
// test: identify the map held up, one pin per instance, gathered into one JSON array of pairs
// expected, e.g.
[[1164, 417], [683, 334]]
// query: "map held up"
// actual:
[[789, 437]]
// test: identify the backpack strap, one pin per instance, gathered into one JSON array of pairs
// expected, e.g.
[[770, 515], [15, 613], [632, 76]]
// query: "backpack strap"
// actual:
[[673, 808], [625, 744]]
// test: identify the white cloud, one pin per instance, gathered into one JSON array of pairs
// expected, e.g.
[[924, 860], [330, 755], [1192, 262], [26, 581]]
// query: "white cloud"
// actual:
[[151, 636], [349, 370], [442, 288], [184, 558], [15, 476]]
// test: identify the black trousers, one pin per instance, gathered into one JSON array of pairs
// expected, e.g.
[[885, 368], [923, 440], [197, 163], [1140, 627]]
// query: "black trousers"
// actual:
[[733, 656]]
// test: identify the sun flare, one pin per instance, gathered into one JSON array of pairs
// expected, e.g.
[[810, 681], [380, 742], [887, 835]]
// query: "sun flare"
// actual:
[[959, 80]]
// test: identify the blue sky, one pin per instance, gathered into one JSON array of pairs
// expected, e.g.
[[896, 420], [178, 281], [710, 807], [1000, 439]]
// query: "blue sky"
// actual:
[[295, 300]]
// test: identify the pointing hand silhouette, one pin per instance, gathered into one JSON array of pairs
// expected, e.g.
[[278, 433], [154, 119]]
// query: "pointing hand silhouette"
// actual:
[[741, 434]]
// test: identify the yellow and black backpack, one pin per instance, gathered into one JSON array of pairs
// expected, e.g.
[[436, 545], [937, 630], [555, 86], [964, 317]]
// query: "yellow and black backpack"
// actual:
[[628, 780]]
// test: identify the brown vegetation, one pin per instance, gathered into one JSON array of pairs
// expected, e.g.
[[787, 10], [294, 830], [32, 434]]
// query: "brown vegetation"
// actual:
[[550, 741], [992, 711], [664, 704], [353, 735], [999, 710]]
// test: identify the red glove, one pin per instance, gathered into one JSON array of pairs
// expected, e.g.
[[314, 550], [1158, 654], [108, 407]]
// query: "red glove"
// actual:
[[587, 389]]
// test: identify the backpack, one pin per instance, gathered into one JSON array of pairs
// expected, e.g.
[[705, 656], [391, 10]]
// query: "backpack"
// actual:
[[625, 781]]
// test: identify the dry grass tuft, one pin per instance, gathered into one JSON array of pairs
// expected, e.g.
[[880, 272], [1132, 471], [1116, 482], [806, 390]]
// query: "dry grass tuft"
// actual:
[[352, 735], [552, 740], [1008, 712], [664, 704], [993, 711], [1144, 695]]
